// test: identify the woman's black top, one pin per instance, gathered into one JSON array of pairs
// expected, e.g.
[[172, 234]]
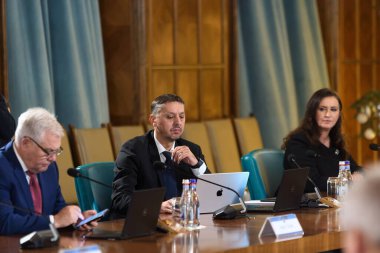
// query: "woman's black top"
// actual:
[[322, 161]]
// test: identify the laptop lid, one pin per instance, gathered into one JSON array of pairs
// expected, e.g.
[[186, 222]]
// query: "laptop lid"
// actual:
[[141, 219], [212, 197], [289, 194]]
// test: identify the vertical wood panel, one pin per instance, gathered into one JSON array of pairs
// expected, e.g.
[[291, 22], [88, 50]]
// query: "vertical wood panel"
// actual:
[[121, 41], [365, 26], [163, 82], [211, 31], [229, 13], [365, 86], [187, 32], [161, 26], [347, 37], [187, 88], [348, 75], [328, 11], [376, 30], [211, 105]]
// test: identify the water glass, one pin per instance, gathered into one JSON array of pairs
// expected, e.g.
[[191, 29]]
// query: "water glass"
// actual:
[[176, 208], [333, 187]]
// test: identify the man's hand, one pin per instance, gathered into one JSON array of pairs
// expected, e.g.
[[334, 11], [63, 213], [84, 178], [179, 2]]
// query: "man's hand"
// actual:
[[166, 207], [90, 225], [67, 216], [184, 154]]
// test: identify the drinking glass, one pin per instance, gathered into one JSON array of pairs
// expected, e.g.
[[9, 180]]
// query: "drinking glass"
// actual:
[[176, 206], [333, 187]]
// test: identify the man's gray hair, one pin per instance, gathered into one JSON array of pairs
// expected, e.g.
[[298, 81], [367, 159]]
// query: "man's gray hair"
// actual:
[[35, 122], [160, 101], [361, 207]]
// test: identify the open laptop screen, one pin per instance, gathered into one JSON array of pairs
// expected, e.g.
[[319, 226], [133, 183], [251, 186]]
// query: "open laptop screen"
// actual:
[[212, 197]]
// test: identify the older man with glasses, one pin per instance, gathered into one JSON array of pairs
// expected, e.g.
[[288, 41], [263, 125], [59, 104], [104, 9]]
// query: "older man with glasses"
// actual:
[[30, 195]]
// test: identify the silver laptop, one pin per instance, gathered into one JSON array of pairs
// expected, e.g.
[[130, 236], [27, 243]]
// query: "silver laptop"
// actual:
[[289, 193], [212, 197], [141, 219]]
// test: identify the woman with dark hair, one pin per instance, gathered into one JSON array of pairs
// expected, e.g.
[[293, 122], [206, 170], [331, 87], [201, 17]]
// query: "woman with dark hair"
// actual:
[[7, 123], [318, 142]]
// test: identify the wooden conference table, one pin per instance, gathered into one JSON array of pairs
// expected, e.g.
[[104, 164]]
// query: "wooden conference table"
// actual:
[[321, 227]]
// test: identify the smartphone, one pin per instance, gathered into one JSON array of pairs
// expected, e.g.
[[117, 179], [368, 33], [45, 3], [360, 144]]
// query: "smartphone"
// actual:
[[97, 216]]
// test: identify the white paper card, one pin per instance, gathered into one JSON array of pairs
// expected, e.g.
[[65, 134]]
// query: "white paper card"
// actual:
[[282, 226], [85, 249]]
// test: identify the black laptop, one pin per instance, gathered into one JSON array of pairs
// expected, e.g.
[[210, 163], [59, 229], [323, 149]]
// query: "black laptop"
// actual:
[[289, 193], [141, 219]]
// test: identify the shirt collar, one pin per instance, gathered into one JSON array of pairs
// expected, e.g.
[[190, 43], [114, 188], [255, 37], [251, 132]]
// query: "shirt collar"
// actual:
[[19, 158], [159, 145]]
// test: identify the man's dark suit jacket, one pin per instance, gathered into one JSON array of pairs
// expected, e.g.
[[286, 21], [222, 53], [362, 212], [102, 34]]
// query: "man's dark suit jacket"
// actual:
[[135, 171], [323, 164], [7, 123], [14, 190]]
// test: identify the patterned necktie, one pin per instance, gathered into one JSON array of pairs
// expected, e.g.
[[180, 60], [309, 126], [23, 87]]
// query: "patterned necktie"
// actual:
[[169, 177], [35, 190]]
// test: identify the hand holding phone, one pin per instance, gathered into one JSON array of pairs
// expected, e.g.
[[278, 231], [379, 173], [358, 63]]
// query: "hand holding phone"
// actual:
[[94, 217]]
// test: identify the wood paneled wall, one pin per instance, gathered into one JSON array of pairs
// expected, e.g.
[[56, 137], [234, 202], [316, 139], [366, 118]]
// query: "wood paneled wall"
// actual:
[[124, 47], [187, 47], [351, 31]]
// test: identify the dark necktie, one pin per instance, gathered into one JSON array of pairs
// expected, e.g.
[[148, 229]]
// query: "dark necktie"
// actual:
[[35, 190], [169, 177]]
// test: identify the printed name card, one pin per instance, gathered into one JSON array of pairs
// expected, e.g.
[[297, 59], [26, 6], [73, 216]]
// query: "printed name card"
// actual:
[[283, 226]]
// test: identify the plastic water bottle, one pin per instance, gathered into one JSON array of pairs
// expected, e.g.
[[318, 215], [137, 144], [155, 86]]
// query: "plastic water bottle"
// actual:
[[194, 205], [348, 171], [185, 203], [343, 180]]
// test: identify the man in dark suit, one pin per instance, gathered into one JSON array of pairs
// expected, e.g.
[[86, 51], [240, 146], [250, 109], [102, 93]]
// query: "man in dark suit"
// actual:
[[30, 196], [7, 123], [138, 162]]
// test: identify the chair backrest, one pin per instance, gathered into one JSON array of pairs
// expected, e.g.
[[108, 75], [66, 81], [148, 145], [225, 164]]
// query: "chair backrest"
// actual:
[[64, 162], [121, 134], [92, 195], [223, 145], [265, 167], [248, 134], [91, 145], [196, 132]]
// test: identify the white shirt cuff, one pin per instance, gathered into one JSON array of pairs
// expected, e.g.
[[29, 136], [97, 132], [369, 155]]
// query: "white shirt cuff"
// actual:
[[201, 170], [51, 218]]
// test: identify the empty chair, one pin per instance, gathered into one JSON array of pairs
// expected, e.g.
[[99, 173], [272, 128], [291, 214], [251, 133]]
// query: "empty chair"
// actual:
[[121, 134], [265, 167], [248, 134], [91, 145], [65, 161], [196, 132], [223, 145], [92, 195]]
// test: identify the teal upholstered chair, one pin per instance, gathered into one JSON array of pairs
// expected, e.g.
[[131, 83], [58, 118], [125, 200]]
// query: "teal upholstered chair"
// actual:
[[265, 167], [92, 195]]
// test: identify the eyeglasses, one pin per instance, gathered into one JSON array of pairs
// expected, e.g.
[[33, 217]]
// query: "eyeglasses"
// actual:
[[47, 151]]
